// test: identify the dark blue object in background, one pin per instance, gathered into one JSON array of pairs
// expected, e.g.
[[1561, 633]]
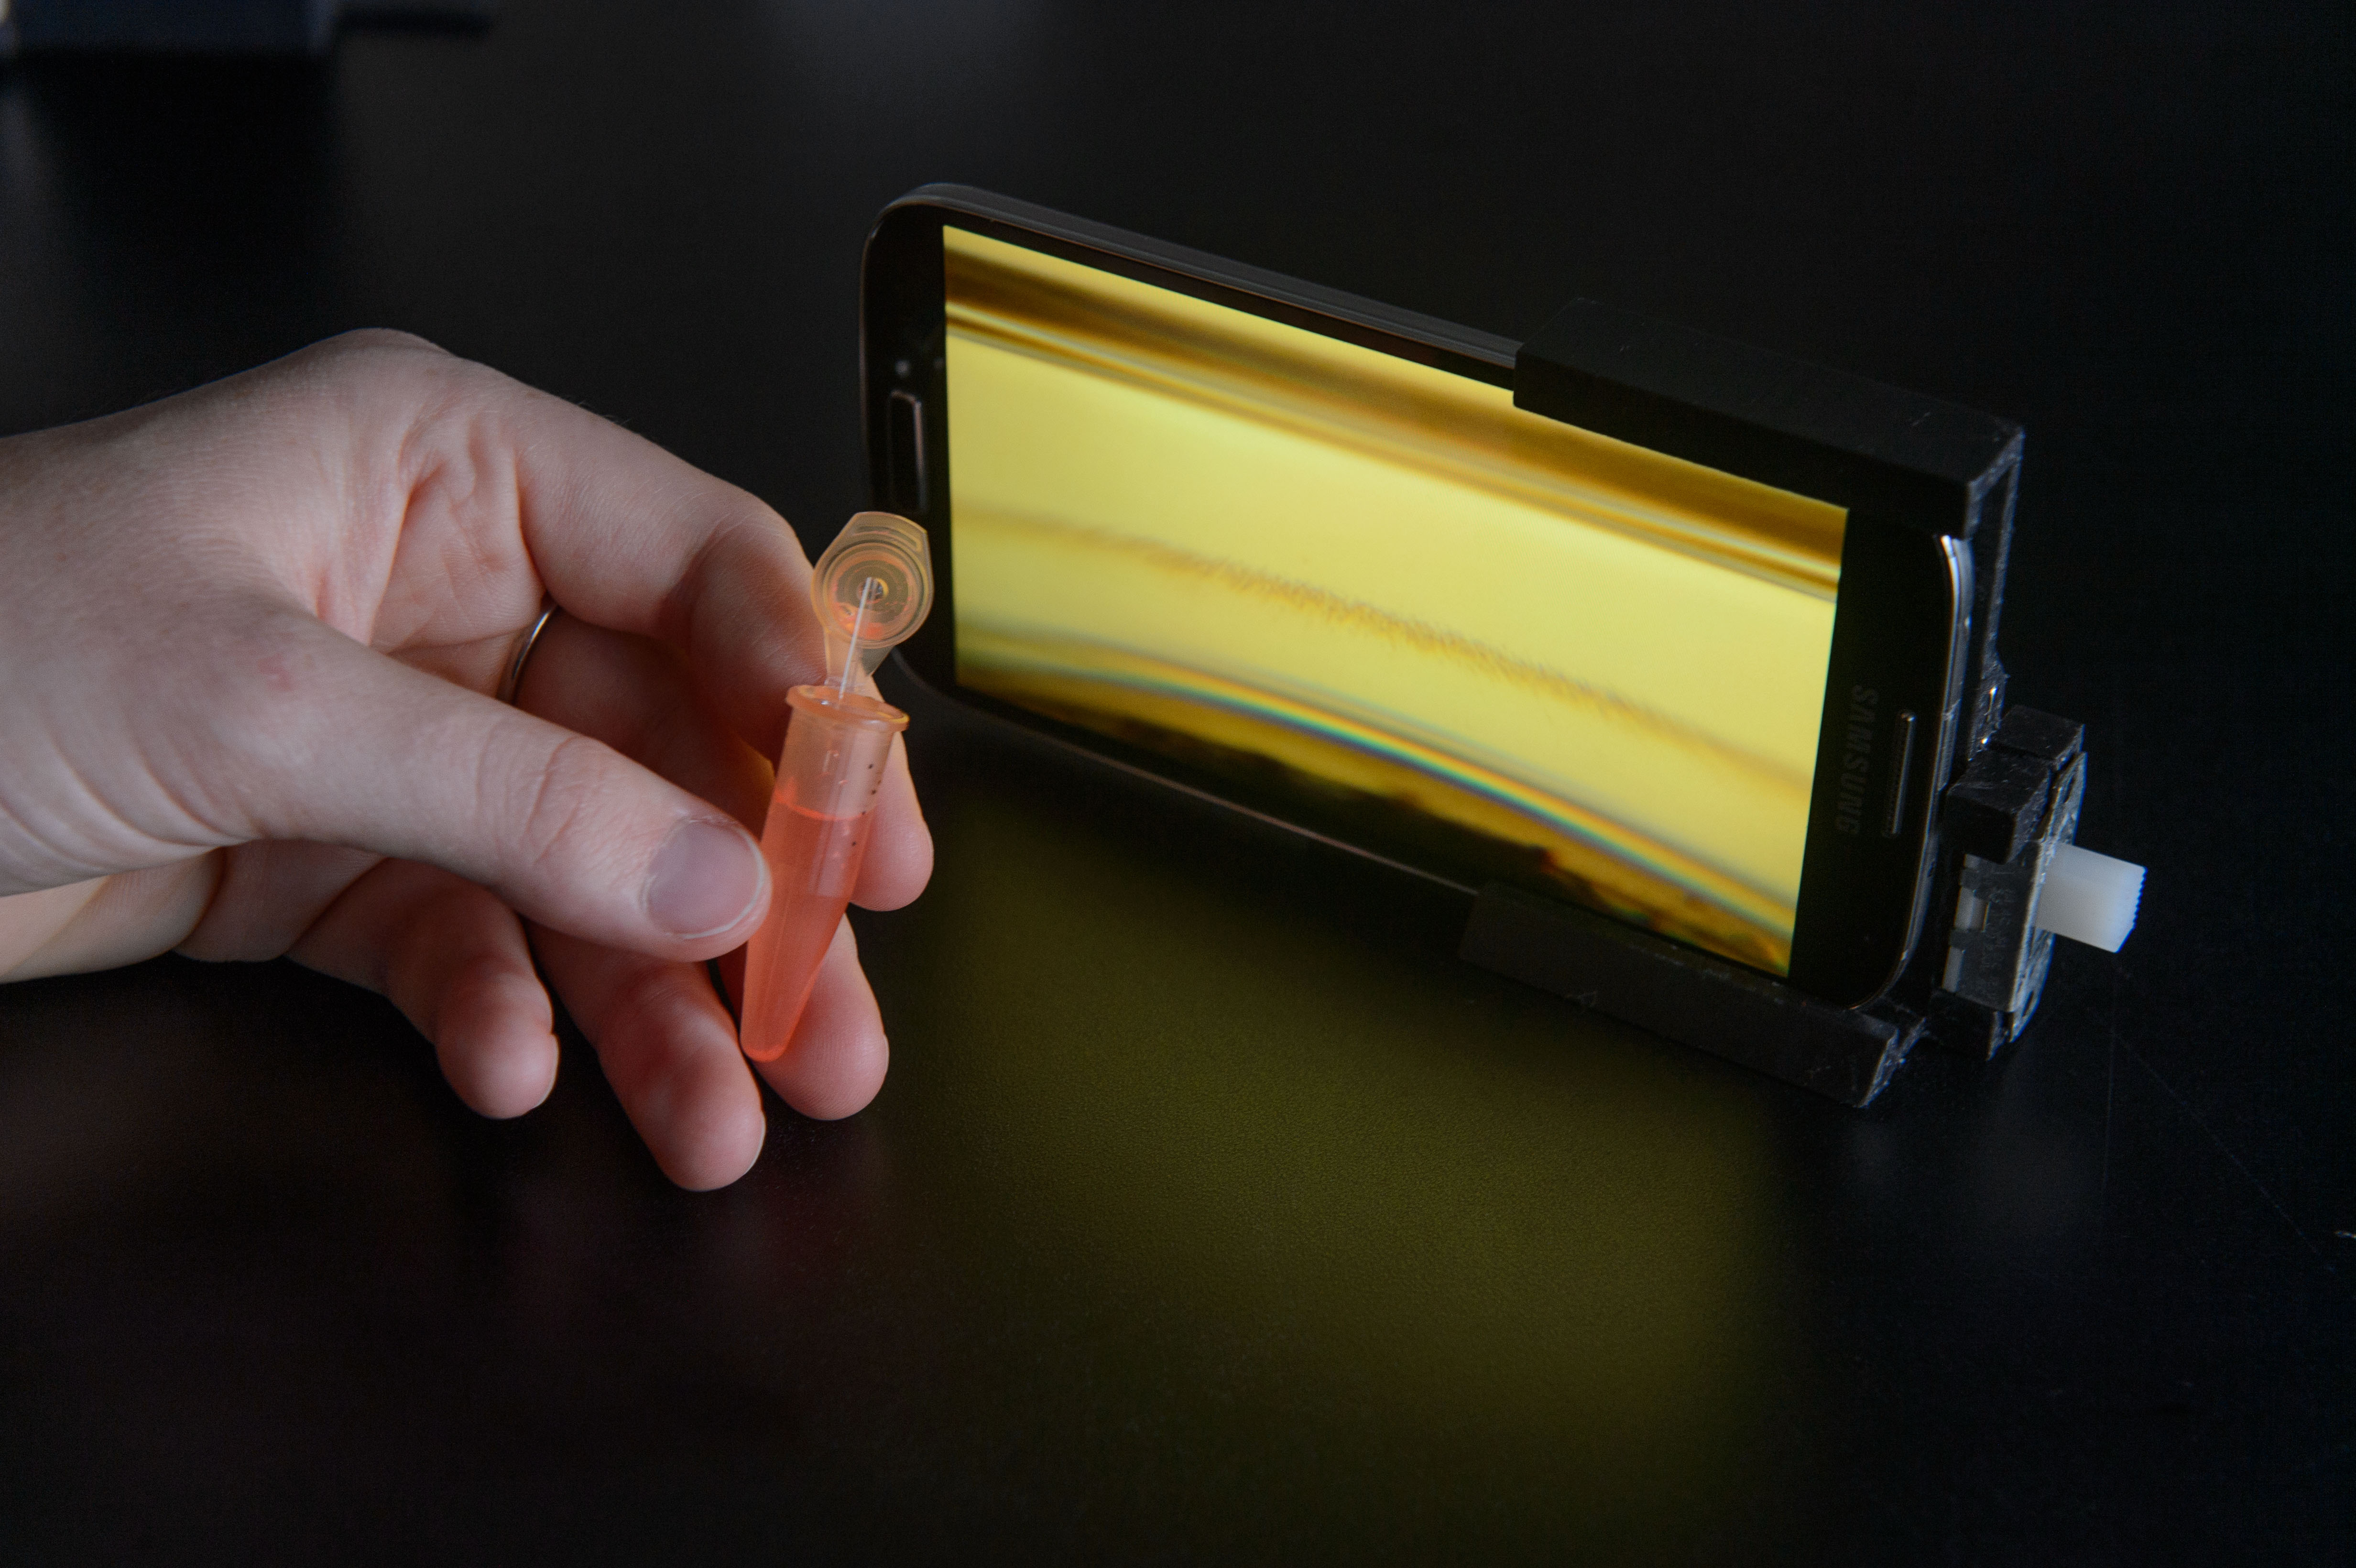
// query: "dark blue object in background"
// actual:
[[208, 27]]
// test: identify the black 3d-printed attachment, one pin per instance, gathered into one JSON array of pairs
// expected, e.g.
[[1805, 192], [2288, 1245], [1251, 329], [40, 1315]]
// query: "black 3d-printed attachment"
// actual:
[[1981, 986], [1909, 460], [2050, 741], [1993, 809], [1823, 432], [1688, 995]]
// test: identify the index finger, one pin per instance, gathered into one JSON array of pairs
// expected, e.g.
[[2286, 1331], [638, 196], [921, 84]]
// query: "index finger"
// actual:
[[628, 537]]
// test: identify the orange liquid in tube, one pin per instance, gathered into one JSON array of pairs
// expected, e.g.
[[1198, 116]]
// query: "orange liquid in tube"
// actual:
[[836, 747], [871, 589]]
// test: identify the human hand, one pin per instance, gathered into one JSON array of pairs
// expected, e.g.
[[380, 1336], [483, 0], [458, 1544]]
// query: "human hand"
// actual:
[[250, 633]]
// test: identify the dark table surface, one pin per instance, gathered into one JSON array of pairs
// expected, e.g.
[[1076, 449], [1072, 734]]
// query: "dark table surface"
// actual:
[[1213, 1207]]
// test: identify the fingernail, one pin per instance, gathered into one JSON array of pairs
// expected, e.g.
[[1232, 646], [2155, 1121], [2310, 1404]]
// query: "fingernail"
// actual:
[[705, 877]]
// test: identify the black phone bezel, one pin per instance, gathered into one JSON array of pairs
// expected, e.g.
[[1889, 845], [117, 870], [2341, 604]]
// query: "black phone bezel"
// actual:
[[1899, 632]]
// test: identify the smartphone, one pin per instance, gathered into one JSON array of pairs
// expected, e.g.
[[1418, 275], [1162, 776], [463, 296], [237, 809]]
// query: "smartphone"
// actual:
[[1302, 553]]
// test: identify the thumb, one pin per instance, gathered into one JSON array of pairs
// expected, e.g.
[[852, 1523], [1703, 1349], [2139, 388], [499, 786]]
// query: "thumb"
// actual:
[[357, 749]]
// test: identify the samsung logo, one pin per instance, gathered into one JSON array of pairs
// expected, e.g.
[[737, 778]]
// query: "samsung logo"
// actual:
[[1857, 759]]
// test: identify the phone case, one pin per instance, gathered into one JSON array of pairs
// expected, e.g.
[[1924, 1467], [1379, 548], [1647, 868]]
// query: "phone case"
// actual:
[[1916, 462]]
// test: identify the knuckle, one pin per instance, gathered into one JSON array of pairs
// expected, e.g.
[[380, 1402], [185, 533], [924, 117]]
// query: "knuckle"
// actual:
[[654, 994], [256, 708], [380, 341], [647, 1024]]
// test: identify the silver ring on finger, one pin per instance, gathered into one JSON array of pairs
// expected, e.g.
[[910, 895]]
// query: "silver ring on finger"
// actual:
[[512, 682]]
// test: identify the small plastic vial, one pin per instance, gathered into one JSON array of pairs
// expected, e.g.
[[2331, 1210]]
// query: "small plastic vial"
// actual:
[[870, 590], [836, 746]]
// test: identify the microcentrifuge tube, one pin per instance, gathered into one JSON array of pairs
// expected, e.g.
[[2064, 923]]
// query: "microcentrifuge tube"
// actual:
[[870, 590]]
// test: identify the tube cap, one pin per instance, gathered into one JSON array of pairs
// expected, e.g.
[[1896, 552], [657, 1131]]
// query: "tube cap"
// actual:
[[872, 590]]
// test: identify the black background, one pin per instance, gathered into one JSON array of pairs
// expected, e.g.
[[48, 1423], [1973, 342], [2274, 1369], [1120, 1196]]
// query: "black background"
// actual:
[[1213, 1207]]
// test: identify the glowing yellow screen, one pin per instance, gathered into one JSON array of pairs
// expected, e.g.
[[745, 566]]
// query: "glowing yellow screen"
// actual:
[[1589, 668]]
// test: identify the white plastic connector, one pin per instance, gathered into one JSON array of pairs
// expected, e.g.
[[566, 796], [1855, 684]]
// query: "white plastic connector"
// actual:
[[2088, 897]]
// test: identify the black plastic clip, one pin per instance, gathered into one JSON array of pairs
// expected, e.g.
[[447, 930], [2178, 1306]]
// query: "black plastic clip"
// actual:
[[1980, 987], [1689, 996]]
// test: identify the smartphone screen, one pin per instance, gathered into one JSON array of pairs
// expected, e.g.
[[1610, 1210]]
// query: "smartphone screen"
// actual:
[[1510, 648]]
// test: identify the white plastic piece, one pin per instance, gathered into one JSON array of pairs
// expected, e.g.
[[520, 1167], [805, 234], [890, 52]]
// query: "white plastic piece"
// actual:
[[2088, 897]]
